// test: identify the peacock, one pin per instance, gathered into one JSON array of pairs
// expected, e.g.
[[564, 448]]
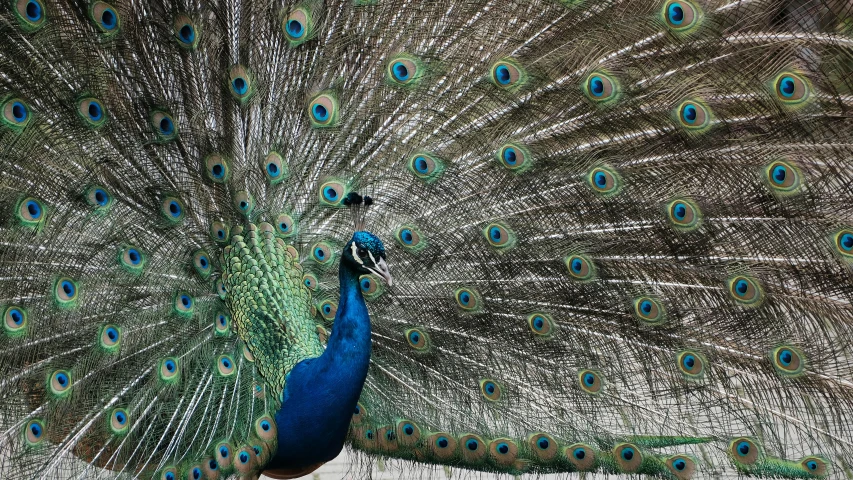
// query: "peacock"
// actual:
[[597, 238]]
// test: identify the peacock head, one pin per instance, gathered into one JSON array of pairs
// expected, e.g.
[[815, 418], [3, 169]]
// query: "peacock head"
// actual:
[[365, 254]]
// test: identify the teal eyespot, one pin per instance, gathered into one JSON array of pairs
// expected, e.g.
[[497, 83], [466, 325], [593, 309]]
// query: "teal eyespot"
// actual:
[[201, 264], [14, 321], [183, 305], [285, 225], [323, 110], [169, 370], [328, 309], [508, 74], [30, 212], [408, 433], [410, 238], [240, 83], [681, 466], [815, 466], [30, 14], [99, 198], [503, 451], [543, 446], [788, 360], [119, 421], [590, 381], [467, 299], [274, 168], [105, 17], [649, 310], [745, 290], [332, 193], [791, 89], [34, 432], [321, 252], [782, 177], [499, 236], [244, 203], [186, 32], [172, 209], [743, 450], [221, 323], [680, 15], [220, 232], [216, 167], [298, 26], [92, 111], [604, 181], [628, 457], [540, 324], [265, 428], [684, 214], [371, 286], [109, 338], [843, 240], [601, 88], [581, 456], [417, 339], [580, 267], [164, 125], [425, 166], [693, 116], [59, 383], [403, 70], [16, 114], [66, 292], [225, 366], [491, 390], [691, 364], [441, 445], [514, 157], [310, 281]]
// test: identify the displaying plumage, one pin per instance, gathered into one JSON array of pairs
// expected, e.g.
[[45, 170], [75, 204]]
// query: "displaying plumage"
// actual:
[[620, 234]]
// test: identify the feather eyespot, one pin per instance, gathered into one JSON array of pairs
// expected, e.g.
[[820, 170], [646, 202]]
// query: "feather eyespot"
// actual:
[[628, 457], [109, 338], [60, 383], [425, 166], [791, 89], [220, 232], [16, 114], [106, 18], [681, 466], [297, 26], [244, 203], [503, 451], [222, 455], [408, 433], [590, 381], [328, 309], [65, 292], [332, 193], [442, 445], [30, 212], [240, 83], [581, 456], [119, 421], [649, 310], [371, 287], [844, 242], [99, 197], [183, 304], [221, 323], [410, 238], [274, 168], [815, 466], [745, 290], [491, 390], [359, 414], [604, 180], [131, 259], [225, 366], [600, 87], [514, 157], [693, 116], [265, 428], [244, 463], [322, 253], [30, 14], [310, 281], [164, 125], [285, 225], [543, 446], [403, 70], [14, 321], [467, 299], [216, 168], [782, 177], [743, 450], [580, 267], [684, 214], [788, 360], [323, 110], [680, 15], [34, 432], [201, 263], [499, 236], [507, 74], [220, 289], [473, 448], [168, 369], [186, 32], [172, 209], [92, 112], [540, 324], [691, 364]]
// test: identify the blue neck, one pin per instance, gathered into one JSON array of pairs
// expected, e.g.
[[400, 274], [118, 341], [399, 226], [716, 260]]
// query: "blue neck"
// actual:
[[321, 393]]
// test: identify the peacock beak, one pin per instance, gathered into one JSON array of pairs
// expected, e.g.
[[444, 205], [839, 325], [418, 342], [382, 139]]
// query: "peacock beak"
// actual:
[[382, 270]]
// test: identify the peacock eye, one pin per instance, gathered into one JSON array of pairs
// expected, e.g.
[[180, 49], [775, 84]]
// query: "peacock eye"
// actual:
[[362, 252]]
